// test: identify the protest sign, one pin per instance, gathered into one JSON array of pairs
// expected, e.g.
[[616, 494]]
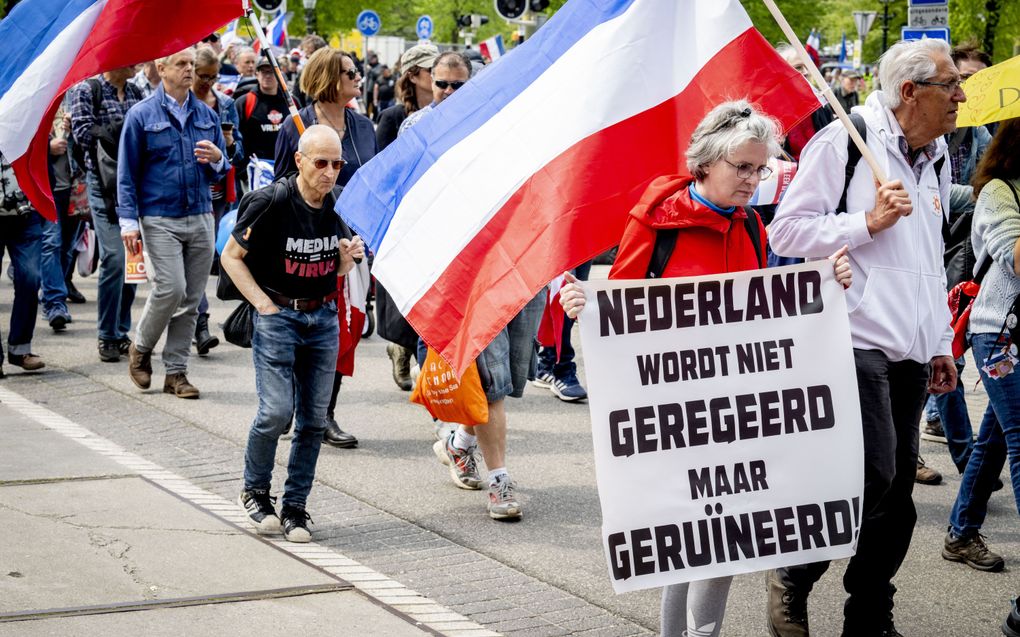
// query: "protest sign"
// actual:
[[726, 423]]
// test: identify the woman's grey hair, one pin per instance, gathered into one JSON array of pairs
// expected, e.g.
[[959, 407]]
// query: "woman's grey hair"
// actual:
[[908, 60], [724, 129]]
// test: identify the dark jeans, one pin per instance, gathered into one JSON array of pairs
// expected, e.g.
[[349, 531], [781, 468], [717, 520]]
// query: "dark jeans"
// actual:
[[114, 296], [998, 438], [21, 238], [295, 362], [952, 409], [892, 395], [547, 355]]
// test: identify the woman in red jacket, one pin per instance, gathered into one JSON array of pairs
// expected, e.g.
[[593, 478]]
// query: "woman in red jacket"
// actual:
[[727, 157]]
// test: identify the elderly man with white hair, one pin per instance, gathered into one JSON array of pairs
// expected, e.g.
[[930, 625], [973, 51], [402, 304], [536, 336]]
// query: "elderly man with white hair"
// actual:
[[899, 319]]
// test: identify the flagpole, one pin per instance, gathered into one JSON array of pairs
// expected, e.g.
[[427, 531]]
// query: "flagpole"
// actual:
[[827, 93], [267, 50]]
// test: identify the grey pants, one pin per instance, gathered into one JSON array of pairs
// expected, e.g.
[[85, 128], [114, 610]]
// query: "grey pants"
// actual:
[[695, 609], [178, 255]]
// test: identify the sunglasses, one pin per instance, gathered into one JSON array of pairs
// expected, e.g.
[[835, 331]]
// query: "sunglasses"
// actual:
[[320, 164], [443, 84], [351, 73], [208, 79]]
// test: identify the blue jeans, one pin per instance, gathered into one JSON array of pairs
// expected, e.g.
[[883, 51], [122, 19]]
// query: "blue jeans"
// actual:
[[21, 238], [547, 355], [52, 260], [295, 359], [952, 410], [114, 296], [998, 438]]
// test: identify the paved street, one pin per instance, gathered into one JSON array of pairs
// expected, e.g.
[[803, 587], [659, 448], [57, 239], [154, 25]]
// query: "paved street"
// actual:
[[391, 507]]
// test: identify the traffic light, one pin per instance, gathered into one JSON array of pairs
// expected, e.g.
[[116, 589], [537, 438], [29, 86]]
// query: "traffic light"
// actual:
[[538, 6], [472, 21], [513, 9]]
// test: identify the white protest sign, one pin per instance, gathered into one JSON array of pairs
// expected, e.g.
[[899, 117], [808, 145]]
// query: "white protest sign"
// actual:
[[726, 423]]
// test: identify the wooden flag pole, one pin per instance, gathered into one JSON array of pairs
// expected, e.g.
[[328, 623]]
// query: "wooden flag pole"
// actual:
[[827, 93], [267, 50]]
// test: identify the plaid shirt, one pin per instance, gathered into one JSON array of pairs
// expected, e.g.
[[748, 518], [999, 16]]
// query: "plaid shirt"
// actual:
[[920, 159], [83, 119]]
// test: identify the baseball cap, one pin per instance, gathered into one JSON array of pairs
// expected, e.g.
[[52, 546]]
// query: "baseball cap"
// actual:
[[852, 74], [263, 62], [423, 55]]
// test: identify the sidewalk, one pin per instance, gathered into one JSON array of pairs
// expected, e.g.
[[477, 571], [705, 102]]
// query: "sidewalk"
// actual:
[[93, 531]]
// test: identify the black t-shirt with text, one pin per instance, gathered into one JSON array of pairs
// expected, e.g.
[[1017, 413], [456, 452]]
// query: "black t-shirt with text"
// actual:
[[259, 131], [293, 249]]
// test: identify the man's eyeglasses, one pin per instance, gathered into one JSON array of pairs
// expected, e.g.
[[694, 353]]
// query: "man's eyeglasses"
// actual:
[[745, 170], [350, 73], [320, 164], [443, 84], [950, 87]]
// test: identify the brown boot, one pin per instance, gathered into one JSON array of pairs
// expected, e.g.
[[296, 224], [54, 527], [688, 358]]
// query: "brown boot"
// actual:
[[925, 474], [178, 385], [140, 367], [786, 614]]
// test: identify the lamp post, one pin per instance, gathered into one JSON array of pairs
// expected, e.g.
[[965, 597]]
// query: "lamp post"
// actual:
[[311, 25], [885, 25]]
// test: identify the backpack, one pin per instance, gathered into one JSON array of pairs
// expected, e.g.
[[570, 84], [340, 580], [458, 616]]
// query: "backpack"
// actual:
[[225, 288], [665, 243], [106, 140]]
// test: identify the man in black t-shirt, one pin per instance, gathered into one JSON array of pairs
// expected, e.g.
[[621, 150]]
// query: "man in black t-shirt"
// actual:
[[284, 255], [261, 113]]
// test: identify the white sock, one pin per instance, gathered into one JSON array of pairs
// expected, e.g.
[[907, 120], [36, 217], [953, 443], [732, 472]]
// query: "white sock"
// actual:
[[498, 474], [463, 440]]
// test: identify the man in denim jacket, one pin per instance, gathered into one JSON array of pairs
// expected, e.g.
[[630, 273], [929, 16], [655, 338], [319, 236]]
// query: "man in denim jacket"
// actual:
[[171, 151]]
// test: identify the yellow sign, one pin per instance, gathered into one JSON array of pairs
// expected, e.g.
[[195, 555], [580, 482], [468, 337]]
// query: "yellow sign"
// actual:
[[992, 94]]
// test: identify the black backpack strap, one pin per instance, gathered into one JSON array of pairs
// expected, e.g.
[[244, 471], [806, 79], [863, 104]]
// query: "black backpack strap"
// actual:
[[853, 157], [754, 232], [665, 243], [96, 87]]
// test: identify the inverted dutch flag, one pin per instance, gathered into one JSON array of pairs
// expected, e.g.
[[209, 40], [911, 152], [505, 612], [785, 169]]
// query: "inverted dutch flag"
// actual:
[[532, 167], [772, 190], [492, 48], [50, 45], [276, 31], [813, 45]]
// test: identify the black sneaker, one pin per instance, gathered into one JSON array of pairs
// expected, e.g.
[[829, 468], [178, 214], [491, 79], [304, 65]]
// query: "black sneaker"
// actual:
[[73, 295], [295, 524], [973, 552], [123, 345], [1011, 625], [258, 504], [109, 351]]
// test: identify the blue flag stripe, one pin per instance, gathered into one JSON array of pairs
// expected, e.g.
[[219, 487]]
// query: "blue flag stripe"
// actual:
[[29, 28], [460, 115]]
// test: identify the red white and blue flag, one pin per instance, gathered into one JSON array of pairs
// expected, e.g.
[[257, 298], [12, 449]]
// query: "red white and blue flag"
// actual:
[[276, 31], [51, 45], [532, 167], [492, 48], [813, 45]]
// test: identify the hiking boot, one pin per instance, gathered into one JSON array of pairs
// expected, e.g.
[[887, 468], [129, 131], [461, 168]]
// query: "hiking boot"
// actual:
[[503, 504], [109, 352], [1011, 625], [463, 464], [337, 437], [27, 362], [123, 345], [178, 385], [786, 615], [401, 359], [139, 367], [258, 505], [204, 341], [568, 389], [925, 474], [295, 524], [972, 551], [73, 295], [932, 431]]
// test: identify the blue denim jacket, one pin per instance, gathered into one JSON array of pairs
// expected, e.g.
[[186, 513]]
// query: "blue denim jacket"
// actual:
[[157, 173]]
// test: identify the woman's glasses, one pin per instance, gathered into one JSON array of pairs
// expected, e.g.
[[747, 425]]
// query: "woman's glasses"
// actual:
[[744, 171]]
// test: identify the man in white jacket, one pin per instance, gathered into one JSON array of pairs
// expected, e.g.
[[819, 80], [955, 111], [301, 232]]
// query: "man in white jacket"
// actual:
[[899, 319]]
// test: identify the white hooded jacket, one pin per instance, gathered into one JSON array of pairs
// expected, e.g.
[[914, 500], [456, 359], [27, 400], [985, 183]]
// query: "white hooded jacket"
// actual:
[[897, 303]]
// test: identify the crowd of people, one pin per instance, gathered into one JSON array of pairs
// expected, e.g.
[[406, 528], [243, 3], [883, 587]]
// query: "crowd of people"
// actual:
[[148, 159]]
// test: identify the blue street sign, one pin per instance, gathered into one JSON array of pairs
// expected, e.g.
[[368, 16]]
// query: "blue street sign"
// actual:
[[936, 33], [920, 3], [425, 27], [369, 22]]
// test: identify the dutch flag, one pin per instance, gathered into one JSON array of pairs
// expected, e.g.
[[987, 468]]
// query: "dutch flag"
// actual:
[[532, 167]]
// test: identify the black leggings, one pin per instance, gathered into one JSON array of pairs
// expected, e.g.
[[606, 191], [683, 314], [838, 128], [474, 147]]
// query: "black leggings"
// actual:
[[337, 379]]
